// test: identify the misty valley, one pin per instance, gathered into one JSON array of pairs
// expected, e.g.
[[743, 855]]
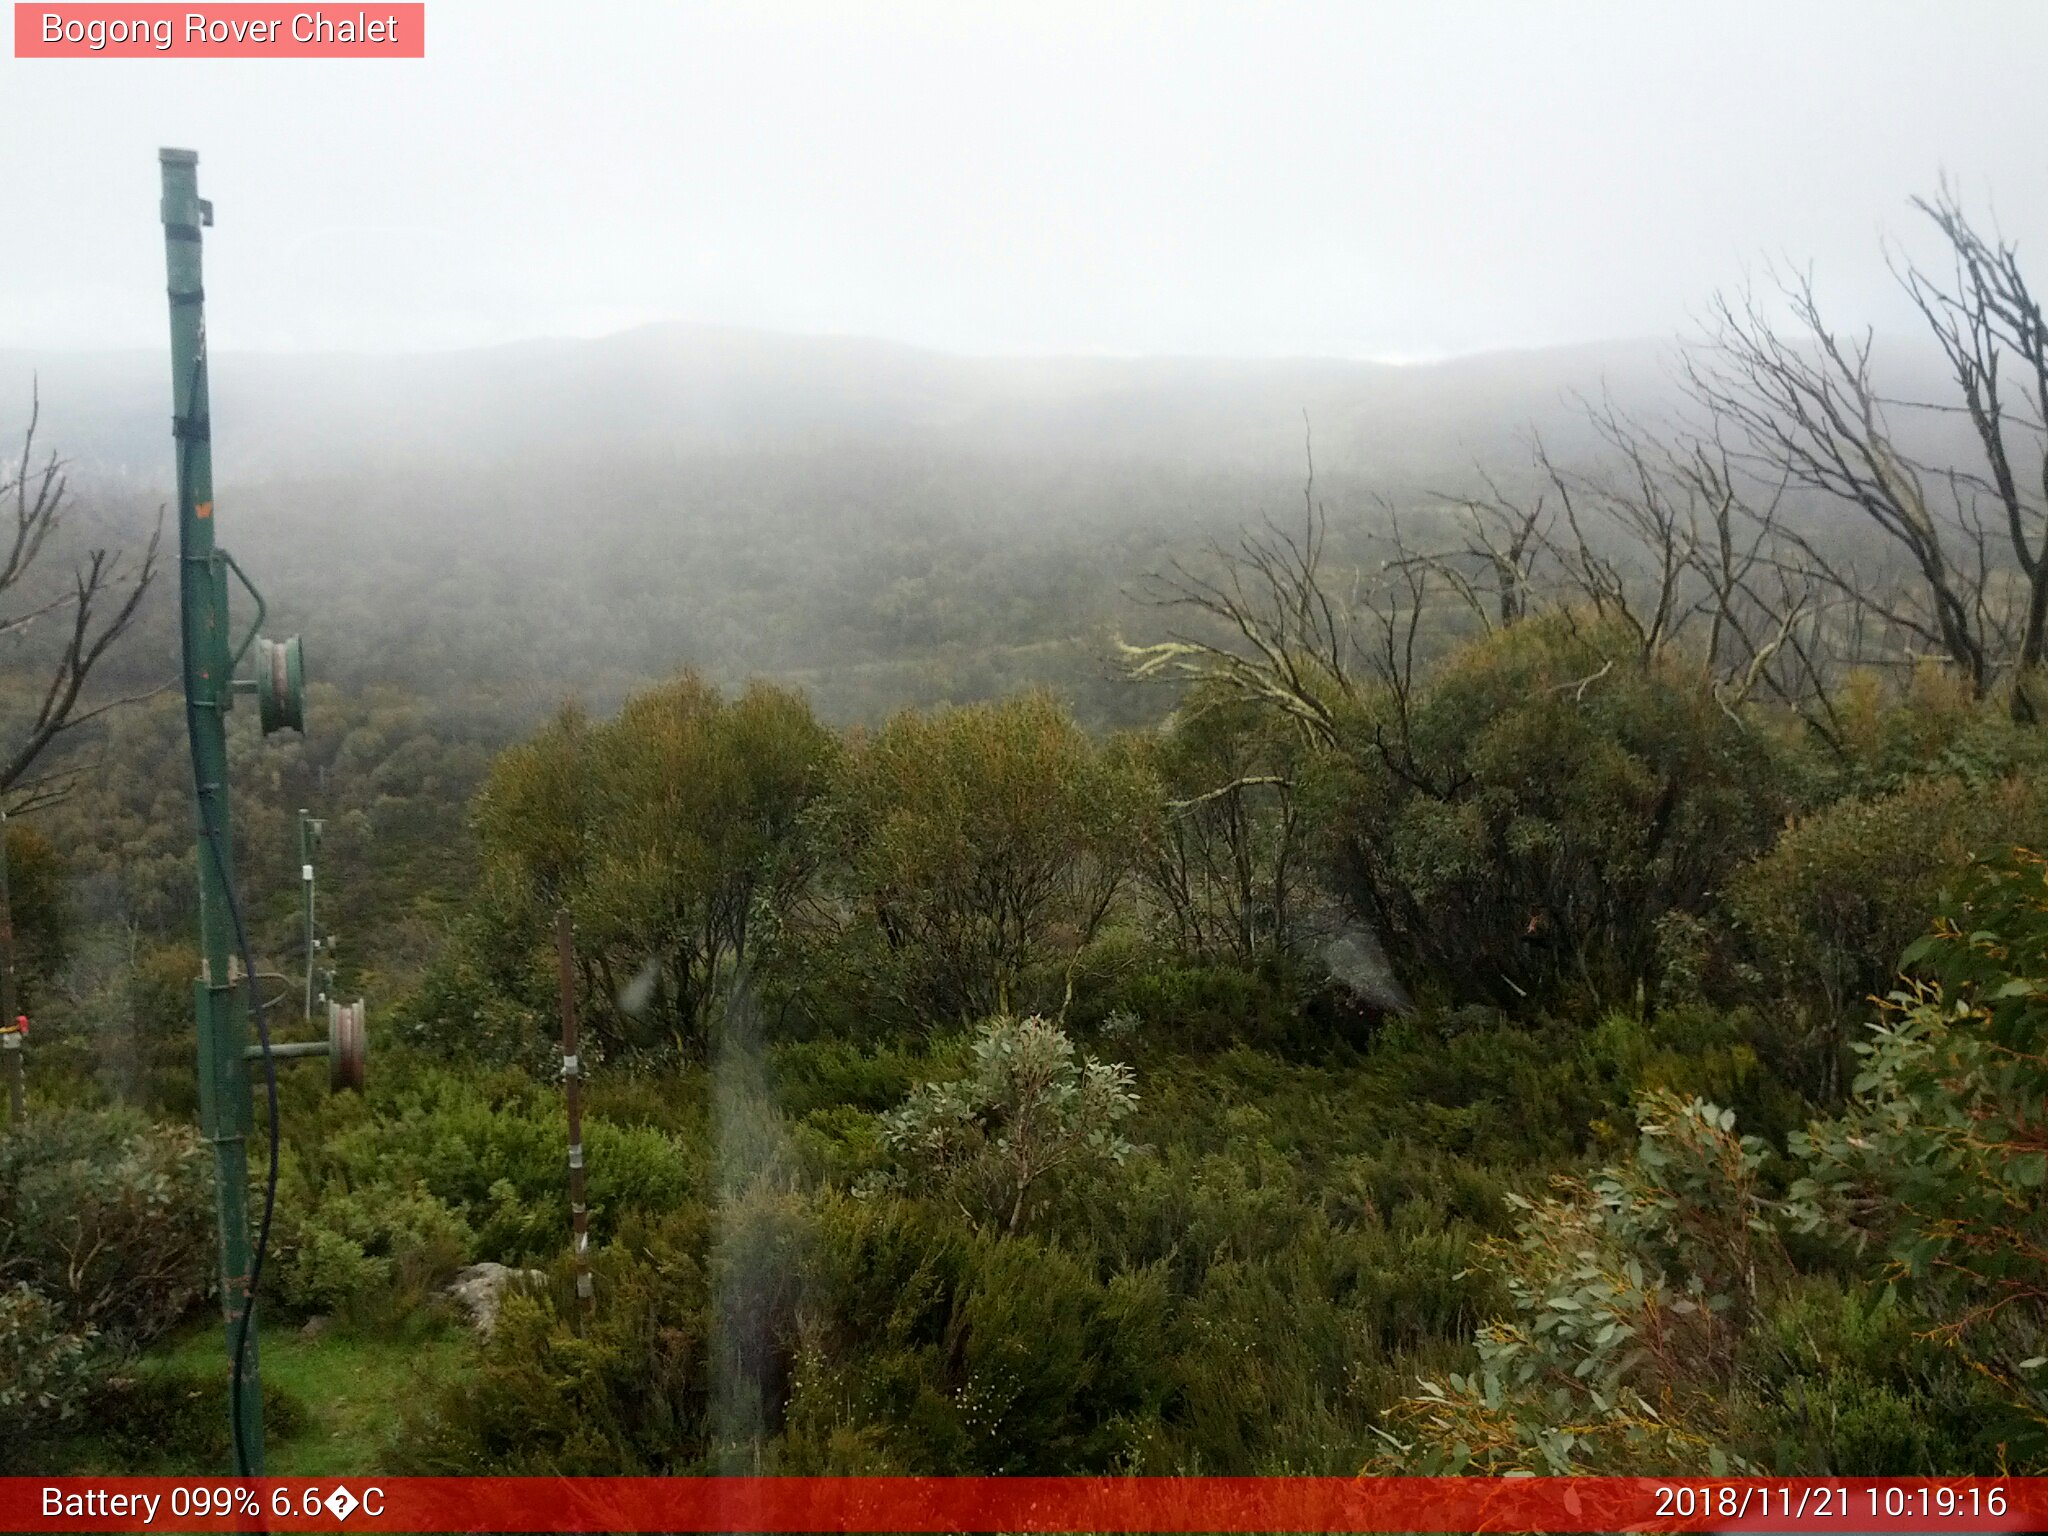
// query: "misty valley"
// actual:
[[1132, 916]]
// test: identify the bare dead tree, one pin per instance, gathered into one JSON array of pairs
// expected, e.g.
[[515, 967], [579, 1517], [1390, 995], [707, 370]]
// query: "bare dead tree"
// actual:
[[1664, 538], [1801, 403], [1985, 316], [1708, 566], [1807, 412], [1266, 626], [1494, 569], [88, 614]]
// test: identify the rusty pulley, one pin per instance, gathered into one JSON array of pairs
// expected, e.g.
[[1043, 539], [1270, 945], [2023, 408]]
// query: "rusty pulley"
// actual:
[[347, 1045], [280, 685]]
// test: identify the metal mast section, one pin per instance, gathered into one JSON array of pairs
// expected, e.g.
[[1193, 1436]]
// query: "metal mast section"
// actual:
[[221, 998]]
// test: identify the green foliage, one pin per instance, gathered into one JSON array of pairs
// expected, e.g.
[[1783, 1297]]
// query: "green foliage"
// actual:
[[834, 1232], [1932, 727], [1209, 1007], [1829, 908], [673, 833], [42, 913], [1516, 823], [1848, 1383], [1226, 856], [812, 1075], [486, 998], [389, 771], [1940, 1162], [981, 843], [110, 1217], [106, 1242], [1631, 1291], [1886, 1318], [124, 1018], [159, 1417], [1695, 1051], [449, 1168], [1027, 1108], [936, 1349], [554, 1396], [47, 1372], [385, 1244]]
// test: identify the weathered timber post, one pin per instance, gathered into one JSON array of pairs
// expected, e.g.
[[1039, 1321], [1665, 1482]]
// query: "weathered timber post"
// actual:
[[572, 1088]]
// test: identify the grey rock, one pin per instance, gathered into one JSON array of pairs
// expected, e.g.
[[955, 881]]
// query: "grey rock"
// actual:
[[481, 1288]]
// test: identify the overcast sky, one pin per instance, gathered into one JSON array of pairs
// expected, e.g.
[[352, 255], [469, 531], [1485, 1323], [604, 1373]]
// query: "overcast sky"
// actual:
[[1366, 179]]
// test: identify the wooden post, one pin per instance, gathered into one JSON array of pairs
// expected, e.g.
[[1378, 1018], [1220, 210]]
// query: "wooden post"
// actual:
[[10, 1034], [572, 1087]]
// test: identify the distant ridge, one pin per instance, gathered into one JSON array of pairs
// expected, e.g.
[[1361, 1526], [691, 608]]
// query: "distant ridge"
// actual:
[[679, 388]]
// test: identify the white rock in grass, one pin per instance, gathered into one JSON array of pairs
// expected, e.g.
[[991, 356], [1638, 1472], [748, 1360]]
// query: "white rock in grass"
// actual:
[[481, 1288]]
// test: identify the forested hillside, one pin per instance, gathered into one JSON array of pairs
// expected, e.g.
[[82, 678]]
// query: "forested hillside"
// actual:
[[877, 524], [1127, 917]]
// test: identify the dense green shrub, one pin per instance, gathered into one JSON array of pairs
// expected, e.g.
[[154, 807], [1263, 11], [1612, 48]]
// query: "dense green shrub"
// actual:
[[1933, 727], [1631, 1294], [386, 1245], [1847, 1382], [488, 997], [1695, 1051], [109, 1216], [106, 1242], [842, 1335], [1516, 823], [47, 1372], [934, 1349], [170, 1419], [1027, 1111], [812, 1075], [1940, 1161], [1885, 1319], [1829, 908], [677, 834], [483, 1154], [1212, 1007], [554, 1394], [980, 845]]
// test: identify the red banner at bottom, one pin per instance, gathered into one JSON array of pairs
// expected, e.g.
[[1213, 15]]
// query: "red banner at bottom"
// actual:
[[908, 1504]]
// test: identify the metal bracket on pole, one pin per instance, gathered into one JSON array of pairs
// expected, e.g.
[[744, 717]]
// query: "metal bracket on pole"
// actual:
[[346, 1046], [262, 608]]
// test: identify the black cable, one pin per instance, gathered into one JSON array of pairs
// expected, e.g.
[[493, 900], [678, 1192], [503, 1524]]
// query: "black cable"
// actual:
[[211, 832], [240, 1350]]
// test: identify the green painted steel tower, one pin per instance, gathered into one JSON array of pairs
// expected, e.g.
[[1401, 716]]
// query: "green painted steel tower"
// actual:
[[210, 658]]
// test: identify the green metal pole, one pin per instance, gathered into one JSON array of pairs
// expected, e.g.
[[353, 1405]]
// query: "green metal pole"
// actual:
[[224, 1112]]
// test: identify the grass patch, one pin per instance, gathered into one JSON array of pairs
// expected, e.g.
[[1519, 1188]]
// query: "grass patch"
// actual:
[[332, 1403]]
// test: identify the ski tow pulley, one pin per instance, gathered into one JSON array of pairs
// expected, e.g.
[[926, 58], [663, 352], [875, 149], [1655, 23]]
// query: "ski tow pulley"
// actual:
[[280, 685], [347, 1045]]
